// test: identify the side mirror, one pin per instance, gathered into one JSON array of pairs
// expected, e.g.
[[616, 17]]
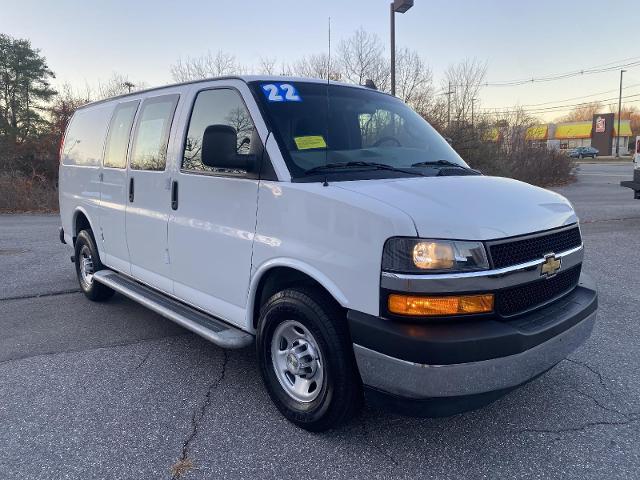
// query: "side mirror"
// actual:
[[220, 149]]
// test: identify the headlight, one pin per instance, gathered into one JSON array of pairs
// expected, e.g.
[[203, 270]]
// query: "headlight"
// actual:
[[417, 255]]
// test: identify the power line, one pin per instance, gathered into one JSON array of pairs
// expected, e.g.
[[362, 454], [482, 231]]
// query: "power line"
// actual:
[[558, 107], [629, 62], [538, 112], [560, 76], [576, 98]]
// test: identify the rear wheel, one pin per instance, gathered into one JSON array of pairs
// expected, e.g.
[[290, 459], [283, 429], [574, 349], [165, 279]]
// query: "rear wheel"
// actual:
[[306, 359], [87, 263]]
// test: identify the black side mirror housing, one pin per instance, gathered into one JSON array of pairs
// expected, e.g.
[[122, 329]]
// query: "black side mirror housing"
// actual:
[[220, 149]]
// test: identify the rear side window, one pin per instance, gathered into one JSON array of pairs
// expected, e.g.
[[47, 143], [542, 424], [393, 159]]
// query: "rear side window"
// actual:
[[221, 106], [84, 140], [149, 150], [115, 155]]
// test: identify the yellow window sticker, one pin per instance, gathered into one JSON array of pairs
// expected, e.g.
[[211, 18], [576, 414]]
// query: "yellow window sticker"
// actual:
[[311, 141]]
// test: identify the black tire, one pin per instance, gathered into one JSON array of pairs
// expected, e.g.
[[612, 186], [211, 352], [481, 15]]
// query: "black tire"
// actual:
[[86, 245], [340, 397]]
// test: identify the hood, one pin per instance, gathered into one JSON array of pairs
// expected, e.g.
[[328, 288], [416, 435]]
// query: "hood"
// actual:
[[470, 207]]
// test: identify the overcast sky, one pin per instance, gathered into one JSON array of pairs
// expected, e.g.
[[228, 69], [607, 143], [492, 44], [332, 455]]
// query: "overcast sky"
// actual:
[[85, 41]]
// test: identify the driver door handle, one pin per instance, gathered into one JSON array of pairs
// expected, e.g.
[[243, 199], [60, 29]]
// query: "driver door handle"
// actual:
[[174, 195]]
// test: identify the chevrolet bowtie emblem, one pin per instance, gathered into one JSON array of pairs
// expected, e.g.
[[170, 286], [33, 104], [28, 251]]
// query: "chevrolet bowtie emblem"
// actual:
[[550, 266]]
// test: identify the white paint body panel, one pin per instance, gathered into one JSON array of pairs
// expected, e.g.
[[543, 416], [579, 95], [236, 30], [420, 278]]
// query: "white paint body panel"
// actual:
[[228, 232], [113, 202], [332, 234], [470, 208], [79, 185], [210, 243]]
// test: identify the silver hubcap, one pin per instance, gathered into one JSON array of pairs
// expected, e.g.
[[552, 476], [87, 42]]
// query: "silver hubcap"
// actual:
[[297, 361], [86, 267]]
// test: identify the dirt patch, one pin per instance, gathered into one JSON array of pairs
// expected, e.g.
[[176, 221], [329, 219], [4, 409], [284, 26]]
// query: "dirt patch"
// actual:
[[181, 467]]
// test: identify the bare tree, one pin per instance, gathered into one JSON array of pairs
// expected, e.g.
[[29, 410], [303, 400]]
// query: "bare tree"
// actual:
[[628, 112], [206, 66], [584, 111], [268, 65], [414, 80], [466, 79], [117, 84], [435, 112], [361, 57], [512, 125], [316, 66]]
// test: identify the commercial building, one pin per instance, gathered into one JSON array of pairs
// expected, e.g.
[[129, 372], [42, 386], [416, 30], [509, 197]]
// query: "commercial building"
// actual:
[[600, 133]]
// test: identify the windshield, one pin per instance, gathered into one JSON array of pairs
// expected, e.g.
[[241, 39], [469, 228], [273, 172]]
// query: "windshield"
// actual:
[[336, 130]]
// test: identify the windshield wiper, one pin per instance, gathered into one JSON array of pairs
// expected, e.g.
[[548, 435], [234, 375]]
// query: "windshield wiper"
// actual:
[[441, 163], [357, 164]]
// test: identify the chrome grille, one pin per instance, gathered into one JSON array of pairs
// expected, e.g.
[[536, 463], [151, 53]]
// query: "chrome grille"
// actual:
[[505, 253]]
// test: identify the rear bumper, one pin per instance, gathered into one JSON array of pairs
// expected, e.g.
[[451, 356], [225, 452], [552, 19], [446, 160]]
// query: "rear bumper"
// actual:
[[422, 361]]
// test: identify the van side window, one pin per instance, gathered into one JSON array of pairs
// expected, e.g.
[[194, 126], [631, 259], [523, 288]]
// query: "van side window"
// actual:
[[218, 107], [152, 133], [115, 155], [84, 140]]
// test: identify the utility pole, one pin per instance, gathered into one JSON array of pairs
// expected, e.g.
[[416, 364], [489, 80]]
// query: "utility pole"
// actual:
[[448, 94], [399, 6], [473, 102], [619, 114], [393, 50]]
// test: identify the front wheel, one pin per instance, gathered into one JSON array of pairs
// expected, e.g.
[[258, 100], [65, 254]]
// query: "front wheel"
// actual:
[[87, 263], [306, 359]]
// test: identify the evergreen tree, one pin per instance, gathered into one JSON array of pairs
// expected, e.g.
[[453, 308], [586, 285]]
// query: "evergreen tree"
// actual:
[[24, 89]]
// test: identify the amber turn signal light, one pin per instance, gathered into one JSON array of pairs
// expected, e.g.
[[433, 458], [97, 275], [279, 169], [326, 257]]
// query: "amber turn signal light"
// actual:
[[437, 306]]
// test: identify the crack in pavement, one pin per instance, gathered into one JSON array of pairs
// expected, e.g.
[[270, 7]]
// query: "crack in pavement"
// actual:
[[144, 359], [153, 348], [376, 447], [603, 406], [604, 220], [629, 417], [592, 370], [196, 418], [580, 428], [106, 347], [42, 295], [604, 385]]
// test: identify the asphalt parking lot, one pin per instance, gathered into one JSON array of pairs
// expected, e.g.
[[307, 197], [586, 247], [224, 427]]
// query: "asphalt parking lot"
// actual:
[[114, 391]]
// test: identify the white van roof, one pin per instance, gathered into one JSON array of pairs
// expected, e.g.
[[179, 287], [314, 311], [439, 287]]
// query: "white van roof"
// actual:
[[244, 78]]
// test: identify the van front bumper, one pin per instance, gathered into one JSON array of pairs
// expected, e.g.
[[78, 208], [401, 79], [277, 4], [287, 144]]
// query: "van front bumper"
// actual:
[[419, 361]]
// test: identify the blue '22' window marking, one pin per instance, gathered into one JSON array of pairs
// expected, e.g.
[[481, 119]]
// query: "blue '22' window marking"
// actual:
[[281, 92]]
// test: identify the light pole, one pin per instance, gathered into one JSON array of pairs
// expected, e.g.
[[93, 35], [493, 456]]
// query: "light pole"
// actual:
[[399, 6], [619, 112], [128, 85]]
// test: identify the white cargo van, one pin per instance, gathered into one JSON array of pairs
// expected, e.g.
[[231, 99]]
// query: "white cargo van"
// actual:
[[331, 227]]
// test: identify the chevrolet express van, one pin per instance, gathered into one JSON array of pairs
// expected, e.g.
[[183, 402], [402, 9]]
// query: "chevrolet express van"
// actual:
[[330, 226]]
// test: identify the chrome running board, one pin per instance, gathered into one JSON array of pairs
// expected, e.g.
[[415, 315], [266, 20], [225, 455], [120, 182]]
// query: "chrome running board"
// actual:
[[207, 326]]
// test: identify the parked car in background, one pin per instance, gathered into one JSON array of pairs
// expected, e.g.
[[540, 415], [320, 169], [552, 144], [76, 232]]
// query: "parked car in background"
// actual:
[[334, 230], [581, 152]]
